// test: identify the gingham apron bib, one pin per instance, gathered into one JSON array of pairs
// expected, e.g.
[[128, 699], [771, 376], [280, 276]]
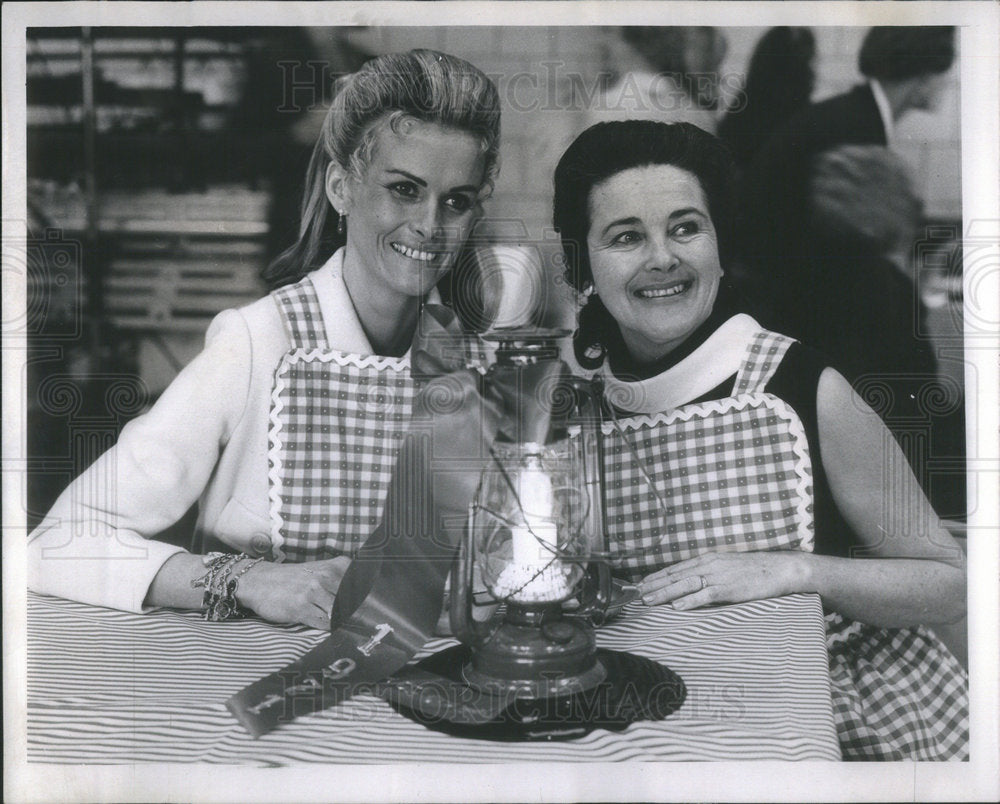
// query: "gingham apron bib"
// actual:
[[735, 475], [337, 421], [729, 475]]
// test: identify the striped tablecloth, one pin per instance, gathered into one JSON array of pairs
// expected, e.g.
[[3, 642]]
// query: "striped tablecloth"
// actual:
[[114, 688]]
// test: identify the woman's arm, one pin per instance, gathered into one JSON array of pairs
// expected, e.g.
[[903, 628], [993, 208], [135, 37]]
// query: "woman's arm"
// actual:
[[95, 545], [283, 593], [915, 569], [908, 570]]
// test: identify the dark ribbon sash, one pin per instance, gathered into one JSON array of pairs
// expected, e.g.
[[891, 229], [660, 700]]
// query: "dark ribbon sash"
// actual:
[[390, 598]]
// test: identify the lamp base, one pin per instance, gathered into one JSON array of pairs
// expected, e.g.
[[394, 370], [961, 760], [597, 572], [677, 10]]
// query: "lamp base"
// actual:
[[535, 653], [434, 693]]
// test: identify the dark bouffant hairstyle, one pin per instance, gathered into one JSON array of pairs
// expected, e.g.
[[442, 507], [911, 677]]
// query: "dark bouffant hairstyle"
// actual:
[[781, 68], [606, 149], [895, 53]]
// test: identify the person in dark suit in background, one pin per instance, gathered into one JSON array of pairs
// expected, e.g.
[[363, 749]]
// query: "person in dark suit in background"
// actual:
[[905, 70]]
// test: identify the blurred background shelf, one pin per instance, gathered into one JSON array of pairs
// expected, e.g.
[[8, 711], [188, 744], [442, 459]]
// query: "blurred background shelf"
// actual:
[[150, 186], [135, 150]]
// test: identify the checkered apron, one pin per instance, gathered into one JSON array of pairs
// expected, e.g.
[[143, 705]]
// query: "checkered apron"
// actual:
[[735, 475], [696, 479], [337, 421]]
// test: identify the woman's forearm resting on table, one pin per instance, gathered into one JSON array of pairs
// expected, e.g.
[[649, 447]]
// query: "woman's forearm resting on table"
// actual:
[[98, 543], [890, 592], [283, 593], [172, 586]]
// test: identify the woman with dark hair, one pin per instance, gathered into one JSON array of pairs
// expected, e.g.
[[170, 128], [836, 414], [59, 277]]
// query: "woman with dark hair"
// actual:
[[284, 428], [741, 466], [779, 82]]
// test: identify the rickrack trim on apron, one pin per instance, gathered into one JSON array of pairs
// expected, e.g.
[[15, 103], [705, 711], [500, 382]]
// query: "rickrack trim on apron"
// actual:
[[896, 692]]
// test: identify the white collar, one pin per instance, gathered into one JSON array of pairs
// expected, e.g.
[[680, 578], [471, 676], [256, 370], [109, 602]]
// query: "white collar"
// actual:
[[884, 108], [717, 359], [343, 328]]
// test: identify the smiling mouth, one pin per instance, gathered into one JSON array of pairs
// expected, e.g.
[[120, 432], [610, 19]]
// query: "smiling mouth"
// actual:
[[413, 253], [663, 293]]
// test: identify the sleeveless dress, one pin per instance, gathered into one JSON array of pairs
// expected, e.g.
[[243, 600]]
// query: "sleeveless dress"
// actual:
[[336, 423], [735, 474]]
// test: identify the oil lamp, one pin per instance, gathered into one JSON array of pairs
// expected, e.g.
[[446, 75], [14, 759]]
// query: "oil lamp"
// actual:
[[534, 539], [535, 542], [533, 527]]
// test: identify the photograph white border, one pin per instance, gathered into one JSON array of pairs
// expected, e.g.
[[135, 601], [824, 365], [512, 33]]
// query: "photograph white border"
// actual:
[[975, 780]]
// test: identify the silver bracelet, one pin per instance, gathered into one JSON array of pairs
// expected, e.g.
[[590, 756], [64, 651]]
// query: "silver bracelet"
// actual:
[[221, 585]]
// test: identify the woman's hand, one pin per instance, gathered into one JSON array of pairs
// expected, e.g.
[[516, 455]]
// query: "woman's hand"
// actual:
[[293, 593], [726, 578]]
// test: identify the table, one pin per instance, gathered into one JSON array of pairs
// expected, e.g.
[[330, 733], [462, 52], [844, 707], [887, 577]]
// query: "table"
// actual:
[[110, 687]]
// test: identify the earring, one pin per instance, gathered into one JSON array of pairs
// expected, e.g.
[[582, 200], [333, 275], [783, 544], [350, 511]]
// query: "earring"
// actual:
[[589, 290], [341, 223]]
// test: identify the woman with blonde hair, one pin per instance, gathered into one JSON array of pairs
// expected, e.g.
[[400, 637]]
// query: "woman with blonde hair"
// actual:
[[284, 428]]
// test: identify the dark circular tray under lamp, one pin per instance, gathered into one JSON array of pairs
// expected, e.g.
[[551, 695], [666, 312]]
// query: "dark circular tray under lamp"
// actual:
[[436, 695]]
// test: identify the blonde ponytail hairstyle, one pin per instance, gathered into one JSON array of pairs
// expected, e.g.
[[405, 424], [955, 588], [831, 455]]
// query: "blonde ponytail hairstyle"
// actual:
[[421, 84]]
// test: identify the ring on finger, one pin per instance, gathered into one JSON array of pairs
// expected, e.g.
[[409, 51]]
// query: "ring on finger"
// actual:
[[702, 582]]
